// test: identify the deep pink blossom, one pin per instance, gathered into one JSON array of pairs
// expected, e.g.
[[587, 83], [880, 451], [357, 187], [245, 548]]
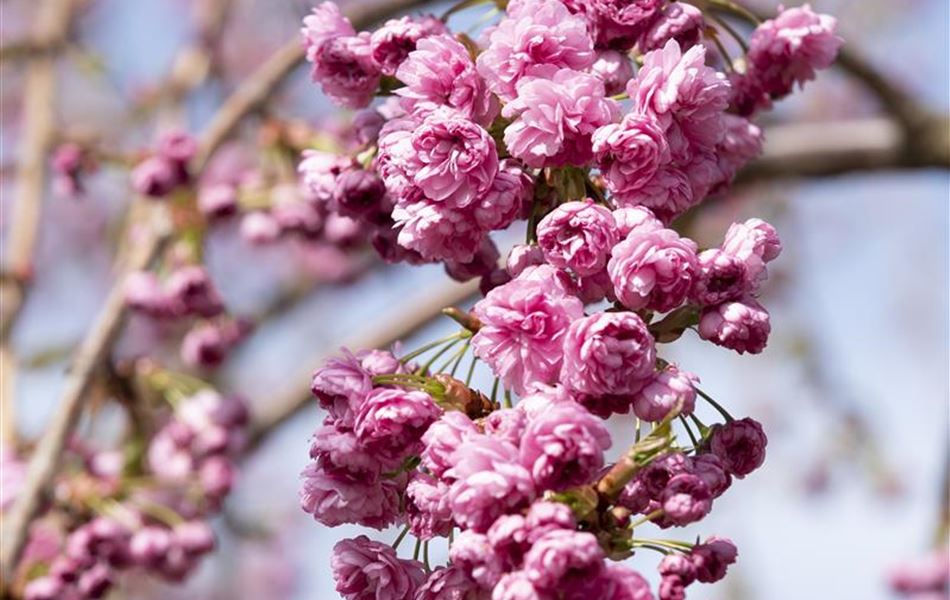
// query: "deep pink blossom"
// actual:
[[506, 199], [391, 421], [686, 96], [579, 236], [653, 269], [541, 38], [553, 119], [560, 554], [437, 232], [678, 21], [523, 325], [440, 73], [320, 171], [454, 160], [686, 499], [345, 69], [668, 389], [755, 243], [338, 449], [443, 438], [325, 23], [490, 482], [722, 277], [619, 23], [523, 256], [564, 447], [518, 586], [785, 51], [635, 218], [473, 553], [364, 569], [712, 471], [608, 353], [668, 194], [629, 154], [741, 325], [712, 558], [335, 498], [396, 38], [740, 445], [449, 583], [615, 69], [427, 506], [483, 263], [623, 583]]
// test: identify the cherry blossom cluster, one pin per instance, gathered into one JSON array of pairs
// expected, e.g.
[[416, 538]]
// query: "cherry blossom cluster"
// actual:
[[599, 123], [119, 510]]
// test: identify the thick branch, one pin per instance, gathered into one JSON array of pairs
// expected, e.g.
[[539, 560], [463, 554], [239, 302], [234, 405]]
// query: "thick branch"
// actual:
[[263, 82], [836, 148], [46, 456], [413, 315]]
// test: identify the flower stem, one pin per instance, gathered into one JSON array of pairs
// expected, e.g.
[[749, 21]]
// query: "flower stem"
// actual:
[[400, 537], [647, 518], [415, 552], [689, 431], [425, 556], [729, 418], [428, 347], [425, 368]]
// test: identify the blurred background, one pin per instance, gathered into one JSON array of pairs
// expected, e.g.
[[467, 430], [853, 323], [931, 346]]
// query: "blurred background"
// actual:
[[853, 389]]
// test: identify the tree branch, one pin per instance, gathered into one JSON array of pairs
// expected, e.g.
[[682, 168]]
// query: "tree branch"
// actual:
[[263, 82], [51, 27], [840, 147], [46, 456]]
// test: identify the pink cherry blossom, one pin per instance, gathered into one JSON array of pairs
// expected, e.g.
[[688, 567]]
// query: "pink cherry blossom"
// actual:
[[653, 269], [741, 325], [579, 236], [608, 353], [367, 570]]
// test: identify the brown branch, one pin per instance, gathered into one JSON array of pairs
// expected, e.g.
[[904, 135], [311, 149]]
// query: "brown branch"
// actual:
[[263, 82], [837, 148], [45, 460], [52, 25], [412, 316]]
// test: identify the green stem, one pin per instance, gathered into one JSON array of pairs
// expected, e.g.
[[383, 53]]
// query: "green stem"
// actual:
[[415, 552], [400, 537], [494, 391], [689, 431], [508, 402], [639, 425], [428, 347], [425, 368], [455, 360], [471, 371], [729, 418], [731, 31], [425, 556], [647, 518]]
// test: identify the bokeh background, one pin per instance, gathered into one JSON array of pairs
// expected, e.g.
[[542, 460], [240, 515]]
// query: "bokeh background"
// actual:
[[853, 389]]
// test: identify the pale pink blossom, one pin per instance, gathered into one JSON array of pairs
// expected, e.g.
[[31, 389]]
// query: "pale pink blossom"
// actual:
[[579, 236], [443, 438], [560, 554], [607, 353], [614, 68], [553, 119], [538, 40], [440, 73], [325, 22], [564, 447], [523, 325], [629, 154], [653, 269]]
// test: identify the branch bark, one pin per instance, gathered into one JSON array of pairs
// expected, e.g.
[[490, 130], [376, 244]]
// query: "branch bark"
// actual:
[[841, 147]]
